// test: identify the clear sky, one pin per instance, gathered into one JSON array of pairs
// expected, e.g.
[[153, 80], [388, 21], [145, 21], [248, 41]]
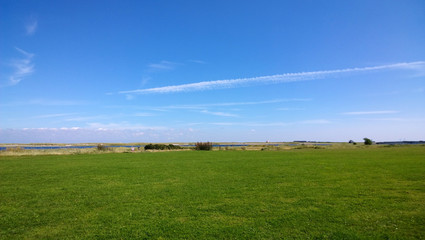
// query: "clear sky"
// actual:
[[180, 71]]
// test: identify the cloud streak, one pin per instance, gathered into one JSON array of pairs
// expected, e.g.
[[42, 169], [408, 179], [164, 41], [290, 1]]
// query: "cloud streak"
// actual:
[[267, 124], [225, 104], [31, 27], [163, 65], [57, 115], [279, 78], [23, 67], [370, 112], [221, 114], [45, 102]]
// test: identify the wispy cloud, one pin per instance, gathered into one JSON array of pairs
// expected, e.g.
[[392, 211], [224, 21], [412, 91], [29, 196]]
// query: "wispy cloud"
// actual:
[[289, 109], [411, 120], [197, 61], [163, 65], [123, 126], [143, 114], [106, 117], [45, 102], [254, 102], [222, 114], [85, 118], [267, 124], [206, 105], [280, 78], [31, 26], [371, 112], [23, 67], [56, 115], [226, 104]]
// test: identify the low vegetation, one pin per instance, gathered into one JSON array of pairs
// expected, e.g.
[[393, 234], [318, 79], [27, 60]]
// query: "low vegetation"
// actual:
[[101, 147], [354, 193], [204, 146], [162, 147], [14, 149], [367, 141]]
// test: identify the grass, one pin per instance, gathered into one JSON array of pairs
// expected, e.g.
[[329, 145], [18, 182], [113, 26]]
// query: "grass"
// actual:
[[364, 193]]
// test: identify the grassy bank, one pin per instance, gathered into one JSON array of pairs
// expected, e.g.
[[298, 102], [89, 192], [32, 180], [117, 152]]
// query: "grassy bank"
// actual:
[[364, 193]]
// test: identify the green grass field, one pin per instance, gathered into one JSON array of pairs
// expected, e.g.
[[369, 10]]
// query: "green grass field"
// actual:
[[365, 193]]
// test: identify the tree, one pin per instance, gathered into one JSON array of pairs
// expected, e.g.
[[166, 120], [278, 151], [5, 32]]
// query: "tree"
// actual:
[[207, 146], [367, 141]]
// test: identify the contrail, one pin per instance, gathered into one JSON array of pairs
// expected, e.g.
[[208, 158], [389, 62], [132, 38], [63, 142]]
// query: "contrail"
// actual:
[[279, 78]]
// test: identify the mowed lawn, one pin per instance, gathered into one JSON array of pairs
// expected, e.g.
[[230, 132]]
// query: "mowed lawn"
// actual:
[[364, 193]]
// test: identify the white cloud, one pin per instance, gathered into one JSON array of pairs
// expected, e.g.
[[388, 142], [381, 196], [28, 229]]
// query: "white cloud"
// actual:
[[23, 67], [163, 65], [31, 27], [222, 114], [202, 106], [280, 78], [225, 104], [410, 120], [144, 114], [266, 124], [54, 115], [123, 126], [256, 102], [129, 97], [371, 112], [85, 118]]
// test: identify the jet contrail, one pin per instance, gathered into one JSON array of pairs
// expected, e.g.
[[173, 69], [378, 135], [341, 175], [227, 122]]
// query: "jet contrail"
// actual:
[[279, 78]]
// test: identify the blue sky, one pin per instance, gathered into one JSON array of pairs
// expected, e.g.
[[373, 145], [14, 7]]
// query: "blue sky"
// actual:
[[181, 71]]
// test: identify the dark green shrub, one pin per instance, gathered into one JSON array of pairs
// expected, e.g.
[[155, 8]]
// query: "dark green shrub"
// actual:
[[205, 146], [162, 147], [101, 147], [367, 141]]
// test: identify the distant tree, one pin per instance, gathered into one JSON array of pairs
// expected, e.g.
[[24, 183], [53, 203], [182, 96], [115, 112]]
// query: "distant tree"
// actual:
[[151, 146], [351, 141], [207, 146], [101, 147], [367, 141]]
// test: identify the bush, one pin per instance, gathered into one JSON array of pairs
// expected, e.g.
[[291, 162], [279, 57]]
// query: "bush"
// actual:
[[205, 146], [161, 147], [367, 141], [101, 147]]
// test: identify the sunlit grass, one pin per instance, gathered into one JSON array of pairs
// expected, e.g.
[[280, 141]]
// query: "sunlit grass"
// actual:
[[364, 193]]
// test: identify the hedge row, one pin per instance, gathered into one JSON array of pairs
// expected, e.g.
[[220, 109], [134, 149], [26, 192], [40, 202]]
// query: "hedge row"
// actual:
[[161, 147]]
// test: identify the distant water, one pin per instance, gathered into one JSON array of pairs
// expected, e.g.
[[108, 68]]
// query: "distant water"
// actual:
[[128, 146], [137, 146], [61, 147]]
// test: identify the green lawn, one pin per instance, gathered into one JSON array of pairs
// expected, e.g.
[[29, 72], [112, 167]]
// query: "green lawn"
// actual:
[[365, 193]]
